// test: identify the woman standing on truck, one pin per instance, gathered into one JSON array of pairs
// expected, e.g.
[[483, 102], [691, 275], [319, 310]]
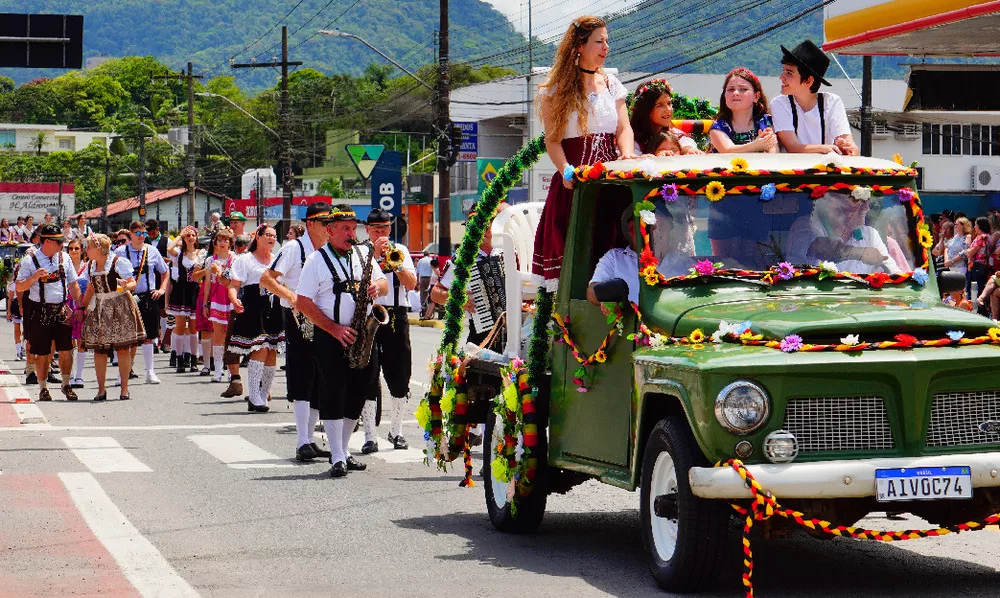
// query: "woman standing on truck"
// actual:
[[583, 110]]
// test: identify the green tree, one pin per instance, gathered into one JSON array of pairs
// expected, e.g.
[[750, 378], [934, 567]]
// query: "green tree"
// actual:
[[38, 142]]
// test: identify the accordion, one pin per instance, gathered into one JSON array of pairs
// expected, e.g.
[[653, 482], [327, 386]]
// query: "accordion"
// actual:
[[486, 285]]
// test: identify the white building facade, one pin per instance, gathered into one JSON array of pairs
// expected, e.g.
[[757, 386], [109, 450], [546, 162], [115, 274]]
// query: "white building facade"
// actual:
[[24, 139]]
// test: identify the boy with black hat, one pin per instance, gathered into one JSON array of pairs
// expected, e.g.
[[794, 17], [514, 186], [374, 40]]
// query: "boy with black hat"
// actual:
[[302, 375], [392, 341], [49, 279], [806, 120], [326, 294]]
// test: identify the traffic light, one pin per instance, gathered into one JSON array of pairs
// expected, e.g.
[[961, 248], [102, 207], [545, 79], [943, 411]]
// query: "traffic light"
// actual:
[[456, 144]]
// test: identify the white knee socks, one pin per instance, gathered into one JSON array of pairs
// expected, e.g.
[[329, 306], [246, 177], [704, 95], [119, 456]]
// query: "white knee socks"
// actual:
[[255, 371], [368, 416], [217, 354], [147, 356], [303, 428], [348, 430], [193, 344], [265, 382], [206, 348], [81, 360], [313, 419], [398, 408], [335, 436]]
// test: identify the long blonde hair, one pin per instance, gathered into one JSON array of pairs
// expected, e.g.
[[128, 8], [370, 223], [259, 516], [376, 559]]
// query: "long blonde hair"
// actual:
[[565, 83]]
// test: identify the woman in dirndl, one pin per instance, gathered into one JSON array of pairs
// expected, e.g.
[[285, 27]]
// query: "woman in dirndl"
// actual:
[[182, 293], [215, 295], [586, 121], [258, 325], [80, 262], [111, 320]]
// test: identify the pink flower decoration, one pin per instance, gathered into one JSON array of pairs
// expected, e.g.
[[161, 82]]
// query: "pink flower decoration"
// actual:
[[704, 267], [581, 389], [786, 271], [905, 195], [791, 343]]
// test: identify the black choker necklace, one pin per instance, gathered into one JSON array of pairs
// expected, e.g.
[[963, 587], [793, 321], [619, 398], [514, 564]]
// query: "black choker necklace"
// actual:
[[593, 72]]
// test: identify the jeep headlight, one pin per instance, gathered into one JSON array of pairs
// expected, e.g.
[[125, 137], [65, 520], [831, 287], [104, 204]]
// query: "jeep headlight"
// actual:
[[742, 407]]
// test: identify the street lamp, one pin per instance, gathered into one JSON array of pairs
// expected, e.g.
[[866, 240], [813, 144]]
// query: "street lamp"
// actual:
[[339, 33], [206, 94]]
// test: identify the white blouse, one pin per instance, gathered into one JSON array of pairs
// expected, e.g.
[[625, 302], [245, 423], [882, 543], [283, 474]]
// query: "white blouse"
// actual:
[[602, 116], [247, 270]]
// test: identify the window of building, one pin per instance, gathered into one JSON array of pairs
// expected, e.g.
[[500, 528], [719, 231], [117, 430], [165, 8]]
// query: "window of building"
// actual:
[[65, 143], [960, 140], [7, 139]]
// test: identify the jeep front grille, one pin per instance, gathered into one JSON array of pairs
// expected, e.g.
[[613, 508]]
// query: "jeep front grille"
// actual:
[[955, 418], [839, 424]]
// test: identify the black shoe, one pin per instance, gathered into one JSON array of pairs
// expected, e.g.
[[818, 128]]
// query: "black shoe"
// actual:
[[132, 375], [245, 362], [355, 465], [257, 409], [284, 367], [124, 398], [101, 397], [320, 453], [32, 378], [475, 439], [305, 453], [398, 442], [182, 363], [173, 359], [156, 349], [338, 470], [369, 447], [192, 364], [53, 379]]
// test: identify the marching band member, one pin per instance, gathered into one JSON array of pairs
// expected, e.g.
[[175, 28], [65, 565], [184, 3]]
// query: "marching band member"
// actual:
[[302, 375], [257, 325], [392, 341], [147, 263], [326, 294], [49, 278]]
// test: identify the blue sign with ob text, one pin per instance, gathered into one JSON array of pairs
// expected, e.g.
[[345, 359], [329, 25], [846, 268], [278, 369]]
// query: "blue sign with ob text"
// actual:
[[387, 183]]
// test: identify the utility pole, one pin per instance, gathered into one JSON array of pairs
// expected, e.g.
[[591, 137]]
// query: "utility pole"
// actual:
[[867, 122], [60, 201], [142, 169], [189, 78], [443, 127], [527, 112], [285, 155], [107, 190]]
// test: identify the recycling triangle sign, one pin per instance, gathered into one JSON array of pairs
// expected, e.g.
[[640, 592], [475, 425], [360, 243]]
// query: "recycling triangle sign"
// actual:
[[364, 157]]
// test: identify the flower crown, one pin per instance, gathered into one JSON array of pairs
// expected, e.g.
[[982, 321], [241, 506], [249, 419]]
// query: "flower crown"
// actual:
[[654, 84], [744, 73]]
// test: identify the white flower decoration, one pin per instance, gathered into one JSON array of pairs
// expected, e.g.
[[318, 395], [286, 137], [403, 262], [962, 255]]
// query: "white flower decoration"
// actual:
[[656, 341], [835, 159], [648, 217], [828, 266], [862, 193], [648, 168], [725, 329], [850, 339]]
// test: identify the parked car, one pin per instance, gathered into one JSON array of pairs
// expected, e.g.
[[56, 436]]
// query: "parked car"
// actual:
[[791, 319]]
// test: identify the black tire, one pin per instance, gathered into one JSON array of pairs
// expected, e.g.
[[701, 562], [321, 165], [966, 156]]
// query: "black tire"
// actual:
[[701, 526], [530, 509]]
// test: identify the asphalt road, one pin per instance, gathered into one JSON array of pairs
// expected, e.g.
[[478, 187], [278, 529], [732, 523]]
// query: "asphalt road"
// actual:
[[180, 492]]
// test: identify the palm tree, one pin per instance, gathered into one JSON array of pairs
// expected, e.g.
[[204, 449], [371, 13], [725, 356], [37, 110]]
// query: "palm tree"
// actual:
[[38, 142]]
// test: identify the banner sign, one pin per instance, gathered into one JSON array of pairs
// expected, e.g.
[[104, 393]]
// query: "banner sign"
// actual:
[[387, 183], [470, 141], [34, 199]]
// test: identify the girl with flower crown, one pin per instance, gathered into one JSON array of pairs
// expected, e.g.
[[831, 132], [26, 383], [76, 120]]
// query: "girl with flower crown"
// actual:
[[586, 121], [652, 112], [743, 123]]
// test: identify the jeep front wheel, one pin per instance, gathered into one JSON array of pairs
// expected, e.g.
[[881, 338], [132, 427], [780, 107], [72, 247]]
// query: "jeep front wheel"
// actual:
[[683, 535], [531, 508]]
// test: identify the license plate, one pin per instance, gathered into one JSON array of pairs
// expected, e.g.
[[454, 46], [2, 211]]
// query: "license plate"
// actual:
[[923, 483]]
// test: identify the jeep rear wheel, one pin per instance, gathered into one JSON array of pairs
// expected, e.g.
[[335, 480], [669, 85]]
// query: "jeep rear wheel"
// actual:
[[683, 535], [530, 509]]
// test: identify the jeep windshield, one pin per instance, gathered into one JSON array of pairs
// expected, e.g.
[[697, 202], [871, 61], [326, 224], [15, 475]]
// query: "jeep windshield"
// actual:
[[744, 236]]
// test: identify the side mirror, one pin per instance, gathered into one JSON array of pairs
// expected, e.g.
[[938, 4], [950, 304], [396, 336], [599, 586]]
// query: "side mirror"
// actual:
[[613, 291], [949, 282]]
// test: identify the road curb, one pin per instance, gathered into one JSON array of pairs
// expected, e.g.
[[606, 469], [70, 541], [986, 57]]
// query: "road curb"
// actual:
[[416, 321]]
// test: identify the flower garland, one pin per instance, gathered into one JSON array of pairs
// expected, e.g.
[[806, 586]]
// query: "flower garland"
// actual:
[[515, 461], [582, 376], [597, 171], [784, 271]]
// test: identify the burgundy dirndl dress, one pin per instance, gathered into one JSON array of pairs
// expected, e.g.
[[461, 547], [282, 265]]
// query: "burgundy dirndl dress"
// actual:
[[550, 236]]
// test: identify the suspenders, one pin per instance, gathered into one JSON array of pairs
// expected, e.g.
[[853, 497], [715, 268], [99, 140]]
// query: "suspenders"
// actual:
[[42, 283], [339, 286], [822, 117], [143, 261]]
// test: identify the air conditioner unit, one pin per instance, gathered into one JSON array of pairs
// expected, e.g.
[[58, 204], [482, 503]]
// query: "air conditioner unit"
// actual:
[[908, 131], [986, 178], [880, 130]]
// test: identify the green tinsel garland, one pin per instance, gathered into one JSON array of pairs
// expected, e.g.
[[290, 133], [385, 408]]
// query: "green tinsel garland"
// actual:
[[538, 348], [509, 174]]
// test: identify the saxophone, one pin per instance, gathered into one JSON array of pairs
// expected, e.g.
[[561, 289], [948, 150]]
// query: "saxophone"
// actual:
[[360, 351]]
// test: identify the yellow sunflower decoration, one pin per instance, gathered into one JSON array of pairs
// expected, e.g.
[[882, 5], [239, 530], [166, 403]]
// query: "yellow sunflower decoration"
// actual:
[[924, 236], [715, 191], [739, 165], [750, 336], [994, 334], [697, 336], [651, 275], [600, 356]]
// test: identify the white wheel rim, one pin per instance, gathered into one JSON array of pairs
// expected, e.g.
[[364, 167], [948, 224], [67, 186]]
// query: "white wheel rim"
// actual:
[[664, 531], [499, 487]]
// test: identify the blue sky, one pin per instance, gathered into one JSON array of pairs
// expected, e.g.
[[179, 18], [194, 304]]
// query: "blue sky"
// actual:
[[550, 17]]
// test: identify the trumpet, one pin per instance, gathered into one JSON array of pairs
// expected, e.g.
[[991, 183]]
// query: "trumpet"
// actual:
[[392, 258]]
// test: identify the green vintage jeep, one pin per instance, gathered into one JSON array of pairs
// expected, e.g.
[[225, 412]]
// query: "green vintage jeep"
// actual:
[[788, 317]]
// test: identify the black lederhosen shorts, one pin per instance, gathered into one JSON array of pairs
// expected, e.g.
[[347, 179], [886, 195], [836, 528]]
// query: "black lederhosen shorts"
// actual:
[[149, 309], [392, 345], [41, 336], [301, 374], [343, 390]]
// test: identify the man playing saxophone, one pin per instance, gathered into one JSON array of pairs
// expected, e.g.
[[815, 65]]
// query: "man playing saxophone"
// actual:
[[331, 285], [392, 342]]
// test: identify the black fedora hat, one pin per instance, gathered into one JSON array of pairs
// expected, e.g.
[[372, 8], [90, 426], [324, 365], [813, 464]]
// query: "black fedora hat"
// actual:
[[319, 210], [379, 216], [810, 59]]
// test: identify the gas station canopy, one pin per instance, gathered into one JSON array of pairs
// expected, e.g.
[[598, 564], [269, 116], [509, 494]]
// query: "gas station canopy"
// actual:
[[913, 27]]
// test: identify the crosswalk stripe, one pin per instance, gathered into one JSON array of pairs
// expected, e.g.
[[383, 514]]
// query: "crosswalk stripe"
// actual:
[[410, 455], [143, 565], [103, 454], [238, 453]]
